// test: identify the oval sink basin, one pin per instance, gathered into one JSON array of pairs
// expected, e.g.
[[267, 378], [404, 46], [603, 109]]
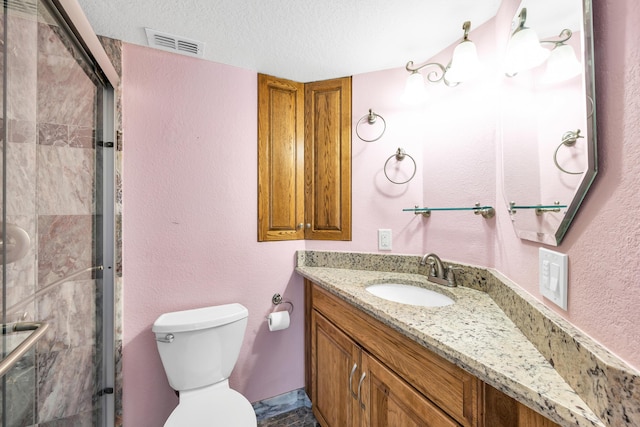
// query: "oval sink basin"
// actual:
[[409, 294]]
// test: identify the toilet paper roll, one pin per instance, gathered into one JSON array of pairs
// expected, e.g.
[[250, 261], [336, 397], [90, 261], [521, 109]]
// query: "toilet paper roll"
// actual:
[[278, 320]]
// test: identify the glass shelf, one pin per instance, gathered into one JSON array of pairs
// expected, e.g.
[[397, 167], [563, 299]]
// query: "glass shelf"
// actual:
[[485, 211], [539, 209]]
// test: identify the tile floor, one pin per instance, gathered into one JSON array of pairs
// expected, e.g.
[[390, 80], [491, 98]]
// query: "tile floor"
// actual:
[[300, 417]]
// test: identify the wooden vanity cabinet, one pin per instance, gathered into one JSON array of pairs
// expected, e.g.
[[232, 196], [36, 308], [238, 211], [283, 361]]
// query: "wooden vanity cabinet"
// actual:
[[352, 388], [360, 372], [363, 373]]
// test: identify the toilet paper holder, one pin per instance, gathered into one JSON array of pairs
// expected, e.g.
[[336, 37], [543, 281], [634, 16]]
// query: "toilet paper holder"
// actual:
[[277, 300]]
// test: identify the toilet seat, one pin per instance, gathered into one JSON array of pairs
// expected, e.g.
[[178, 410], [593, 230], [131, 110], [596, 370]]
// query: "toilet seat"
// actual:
[[212, 407]]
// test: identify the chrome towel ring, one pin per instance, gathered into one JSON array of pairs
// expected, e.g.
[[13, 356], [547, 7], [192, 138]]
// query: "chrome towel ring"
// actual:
[[399, 156], [568, 140], [371, 119]]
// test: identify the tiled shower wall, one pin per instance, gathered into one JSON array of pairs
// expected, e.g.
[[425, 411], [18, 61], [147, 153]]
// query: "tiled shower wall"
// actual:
[[50, 193]]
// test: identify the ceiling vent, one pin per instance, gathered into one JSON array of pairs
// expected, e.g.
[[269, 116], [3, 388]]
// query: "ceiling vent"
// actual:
[[175, 44]]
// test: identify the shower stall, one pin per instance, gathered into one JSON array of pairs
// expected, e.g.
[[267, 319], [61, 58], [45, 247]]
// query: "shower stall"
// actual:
[[57, 224]]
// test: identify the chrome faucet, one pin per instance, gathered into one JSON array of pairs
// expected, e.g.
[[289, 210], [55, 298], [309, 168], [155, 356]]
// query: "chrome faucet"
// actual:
[[438, 272], [437, 269]]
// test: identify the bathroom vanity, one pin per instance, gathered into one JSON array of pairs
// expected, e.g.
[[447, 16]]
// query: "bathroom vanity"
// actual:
[[364, 373], [491, 359]]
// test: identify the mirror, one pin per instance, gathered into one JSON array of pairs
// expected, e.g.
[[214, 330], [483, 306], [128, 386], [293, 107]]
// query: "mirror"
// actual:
[[549, 157]]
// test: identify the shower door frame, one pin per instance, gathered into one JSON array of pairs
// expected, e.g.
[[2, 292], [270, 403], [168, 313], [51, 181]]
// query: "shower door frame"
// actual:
[[106, 141]]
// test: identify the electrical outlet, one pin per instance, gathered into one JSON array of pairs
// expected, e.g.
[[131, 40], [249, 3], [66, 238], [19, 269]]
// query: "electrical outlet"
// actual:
[[384, 239], [554, 275]]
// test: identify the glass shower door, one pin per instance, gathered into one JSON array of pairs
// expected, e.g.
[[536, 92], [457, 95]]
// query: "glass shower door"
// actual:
[[52, 221]]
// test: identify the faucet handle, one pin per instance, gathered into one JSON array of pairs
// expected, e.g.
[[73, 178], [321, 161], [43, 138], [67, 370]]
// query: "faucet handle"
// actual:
[[450, 274], [432, 269]]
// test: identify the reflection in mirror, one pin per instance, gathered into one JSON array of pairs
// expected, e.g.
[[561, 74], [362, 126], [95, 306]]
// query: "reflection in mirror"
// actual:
[[548, 117]]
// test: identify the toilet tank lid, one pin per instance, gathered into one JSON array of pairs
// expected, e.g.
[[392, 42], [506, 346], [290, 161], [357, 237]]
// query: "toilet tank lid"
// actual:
[[200, 318]]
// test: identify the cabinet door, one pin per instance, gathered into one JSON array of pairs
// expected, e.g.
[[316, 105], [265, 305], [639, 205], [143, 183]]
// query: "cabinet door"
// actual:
[[328, 159], [335, 370], [387, 401], [280, 159]]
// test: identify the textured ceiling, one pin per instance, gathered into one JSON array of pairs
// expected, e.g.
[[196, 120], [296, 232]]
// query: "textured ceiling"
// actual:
[[298, 39]]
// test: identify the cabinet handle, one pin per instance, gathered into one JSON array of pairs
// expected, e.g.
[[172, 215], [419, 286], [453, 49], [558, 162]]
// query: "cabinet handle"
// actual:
[[364, 374], [300, 226], [353, 370], [308, 225]]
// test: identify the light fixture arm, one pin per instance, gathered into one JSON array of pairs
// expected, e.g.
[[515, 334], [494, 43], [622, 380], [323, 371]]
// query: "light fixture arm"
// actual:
[[564, 36], [433, 76], [439, 74]]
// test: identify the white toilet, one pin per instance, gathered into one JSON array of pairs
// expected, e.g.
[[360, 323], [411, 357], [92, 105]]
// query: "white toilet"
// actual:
[[199, 349]]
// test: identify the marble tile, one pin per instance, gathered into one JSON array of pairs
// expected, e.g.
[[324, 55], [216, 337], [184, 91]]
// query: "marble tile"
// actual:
[[21, 131], [269, 408], [70, 311], [66, 92], [18, 396], [118, 383], [53, 134], [84, 419], [81, 137], [21, 178], [65, 246], [523, 348], [65, 383], [301, 417], [66, 185]]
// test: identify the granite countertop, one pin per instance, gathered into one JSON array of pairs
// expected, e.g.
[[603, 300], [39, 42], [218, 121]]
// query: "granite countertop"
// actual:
[[473, 333]]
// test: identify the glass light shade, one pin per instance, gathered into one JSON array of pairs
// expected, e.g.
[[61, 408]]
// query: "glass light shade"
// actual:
[[562, 64], [414, 90], [464, 63], [524, 52]]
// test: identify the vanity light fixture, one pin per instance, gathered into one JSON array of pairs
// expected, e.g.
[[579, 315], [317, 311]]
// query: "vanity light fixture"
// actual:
[[463, 65], [562, 63], [523, 50]]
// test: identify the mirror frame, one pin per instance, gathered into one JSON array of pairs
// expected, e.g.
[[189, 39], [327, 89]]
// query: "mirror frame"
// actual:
[[591, 141]]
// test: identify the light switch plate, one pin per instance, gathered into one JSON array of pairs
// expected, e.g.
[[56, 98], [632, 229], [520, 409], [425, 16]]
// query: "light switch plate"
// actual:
[[554, 275], [384, 239]]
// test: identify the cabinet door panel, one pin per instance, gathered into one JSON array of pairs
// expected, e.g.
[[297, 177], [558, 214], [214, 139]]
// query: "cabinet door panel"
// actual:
[[390, 402], [280, 159], [333, 358], [328, 159]]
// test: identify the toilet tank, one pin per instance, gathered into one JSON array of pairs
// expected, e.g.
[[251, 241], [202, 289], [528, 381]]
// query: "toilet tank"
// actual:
[[200, 347]]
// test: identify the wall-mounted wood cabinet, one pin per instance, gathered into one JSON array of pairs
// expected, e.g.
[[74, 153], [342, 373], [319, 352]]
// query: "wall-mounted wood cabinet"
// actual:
[[304, 159]]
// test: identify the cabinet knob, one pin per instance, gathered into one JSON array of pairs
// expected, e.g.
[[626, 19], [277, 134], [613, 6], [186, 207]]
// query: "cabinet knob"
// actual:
[[308, 226], [300, 226]]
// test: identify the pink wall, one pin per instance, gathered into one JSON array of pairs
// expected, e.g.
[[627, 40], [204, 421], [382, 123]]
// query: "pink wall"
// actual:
[[190, 203], [190, 224]]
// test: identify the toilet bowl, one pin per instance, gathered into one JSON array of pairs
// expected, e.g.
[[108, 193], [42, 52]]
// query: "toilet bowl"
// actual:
[[199, 349]]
